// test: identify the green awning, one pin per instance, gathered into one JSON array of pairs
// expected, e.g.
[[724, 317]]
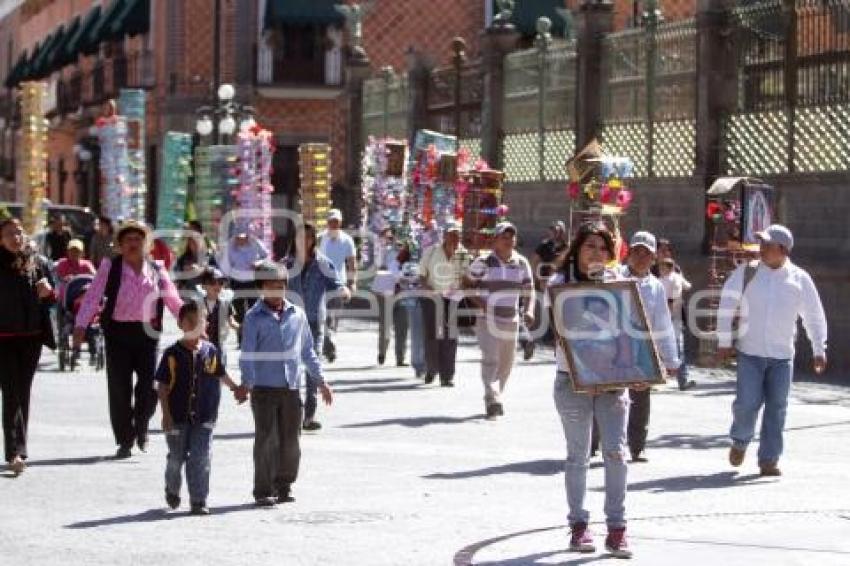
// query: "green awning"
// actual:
[[59, 58], [302, 12], [101, 30], [39, 64], [526, 12], [18, 70], [79, 40], [133, 18]]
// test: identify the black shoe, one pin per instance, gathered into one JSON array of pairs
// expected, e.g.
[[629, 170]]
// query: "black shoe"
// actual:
[[200, 509], [172, 500], [447, 383], [528, 350], [687, 385], [419, 374], [285, 497], [492, 411], [429, 378], [400, 363], [123, 453], [142, 443], [638, 458], [265, 501], [500, 410], [381, 359], [312, 426]]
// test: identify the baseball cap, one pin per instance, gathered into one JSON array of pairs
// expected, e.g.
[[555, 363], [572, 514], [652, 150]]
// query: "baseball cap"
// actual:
[[644, 239], [335, 214], [503, 227], [76, 245], [777, 234]]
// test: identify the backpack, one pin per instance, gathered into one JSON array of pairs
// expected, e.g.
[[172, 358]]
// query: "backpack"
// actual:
[[113, 285]]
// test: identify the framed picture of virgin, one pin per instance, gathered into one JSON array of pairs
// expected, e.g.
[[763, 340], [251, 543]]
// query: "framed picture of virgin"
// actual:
[[757, 211], [602, 331]]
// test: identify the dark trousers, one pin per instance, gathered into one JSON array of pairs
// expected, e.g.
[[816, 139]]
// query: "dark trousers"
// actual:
[[638, 421], [328, 346], [440, 348], [277, 452], [311, 402], [18, 362], [399, 325], [130, 350]]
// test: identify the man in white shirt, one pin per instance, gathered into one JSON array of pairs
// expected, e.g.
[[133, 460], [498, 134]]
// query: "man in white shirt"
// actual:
[[506, 287], [769, 297], [339, 248], [641, 258]]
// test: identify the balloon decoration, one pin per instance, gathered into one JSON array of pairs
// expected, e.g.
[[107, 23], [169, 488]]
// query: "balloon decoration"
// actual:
[[32, 157], [214, 182], [115, 197], [254, 191], [174, 180], [315, 166], [131, 105]]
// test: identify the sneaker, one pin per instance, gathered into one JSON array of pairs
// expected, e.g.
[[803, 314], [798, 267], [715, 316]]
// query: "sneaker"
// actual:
[[429, 378], [142, 443], [172, 500], [580, 539], [769, 470], [312, 426], [616, 543], [17, 466], [285, 497], [638, 458], [528, 350], [123, 453], [265, 501], [200, 509], [687, 385], [492, 411], [736, 456], [500, 410]]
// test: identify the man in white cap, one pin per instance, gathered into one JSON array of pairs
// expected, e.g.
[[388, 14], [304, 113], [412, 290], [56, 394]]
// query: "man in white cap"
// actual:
[[769, 296], [505, 285], [641, 258], [340, 249]]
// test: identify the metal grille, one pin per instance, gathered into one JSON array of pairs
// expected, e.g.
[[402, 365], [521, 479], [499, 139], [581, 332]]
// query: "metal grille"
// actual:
[[756, 143], [822, 136], [445, 103], [624, 64], [473, 145], [676, 66], [560, 146], [629, 139], [675, 144], [385, 107], [521, 158], [760, 40]]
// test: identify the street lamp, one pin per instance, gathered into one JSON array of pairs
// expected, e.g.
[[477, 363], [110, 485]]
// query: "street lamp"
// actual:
[[225, 116]]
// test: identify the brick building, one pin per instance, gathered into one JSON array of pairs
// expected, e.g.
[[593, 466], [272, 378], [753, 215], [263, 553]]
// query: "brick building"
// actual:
[[287, 58]]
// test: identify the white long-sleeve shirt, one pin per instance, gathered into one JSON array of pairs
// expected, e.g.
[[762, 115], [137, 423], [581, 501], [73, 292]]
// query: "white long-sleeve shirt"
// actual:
[[658, 316], [772, 302]]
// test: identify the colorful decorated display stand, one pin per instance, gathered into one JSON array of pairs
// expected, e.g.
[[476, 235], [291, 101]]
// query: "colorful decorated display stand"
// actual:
[[253, 194], [385, 195], [174, 181], [481, 195], [598, 190], [315, 167], [214, 182], [32, 156], [115, 190], [737, 209], [131, 105]]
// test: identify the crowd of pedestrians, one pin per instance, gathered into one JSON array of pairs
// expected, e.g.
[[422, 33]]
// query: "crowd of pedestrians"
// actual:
[[291, 304]]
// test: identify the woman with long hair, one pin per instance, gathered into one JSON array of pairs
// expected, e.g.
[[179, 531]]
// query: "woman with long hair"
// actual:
[[24, 328], [586, 260]]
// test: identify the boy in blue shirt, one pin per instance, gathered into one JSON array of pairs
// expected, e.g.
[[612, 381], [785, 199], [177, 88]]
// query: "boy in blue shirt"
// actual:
[[276, 345], [189, 385]]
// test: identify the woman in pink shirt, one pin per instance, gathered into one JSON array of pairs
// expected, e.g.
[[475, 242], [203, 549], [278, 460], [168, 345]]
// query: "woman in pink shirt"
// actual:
[[136, 289]]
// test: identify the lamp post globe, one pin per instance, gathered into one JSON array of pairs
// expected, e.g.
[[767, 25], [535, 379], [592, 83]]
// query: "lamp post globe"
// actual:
[[226, 92], [204, 127]]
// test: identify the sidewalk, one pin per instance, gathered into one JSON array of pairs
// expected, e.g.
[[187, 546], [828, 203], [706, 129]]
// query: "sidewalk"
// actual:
[[405, 474]]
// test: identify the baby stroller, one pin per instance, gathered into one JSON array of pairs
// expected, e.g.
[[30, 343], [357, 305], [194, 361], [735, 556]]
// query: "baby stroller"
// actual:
[[72, 298]]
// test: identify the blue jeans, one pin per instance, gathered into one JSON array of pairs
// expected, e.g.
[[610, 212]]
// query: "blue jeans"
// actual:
[[682, 373], [189, 443], [311, 402], [577, 411], [417, 335], [761, 381]]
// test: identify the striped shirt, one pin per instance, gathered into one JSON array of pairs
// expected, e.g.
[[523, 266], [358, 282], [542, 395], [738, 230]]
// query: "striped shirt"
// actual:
[[503, 283]]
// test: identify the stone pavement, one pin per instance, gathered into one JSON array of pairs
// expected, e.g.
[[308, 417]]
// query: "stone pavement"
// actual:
[[406, 474]]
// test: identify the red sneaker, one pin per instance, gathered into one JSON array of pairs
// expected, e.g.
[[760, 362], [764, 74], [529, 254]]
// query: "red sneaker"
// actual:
[[580, 539], [616, 543]]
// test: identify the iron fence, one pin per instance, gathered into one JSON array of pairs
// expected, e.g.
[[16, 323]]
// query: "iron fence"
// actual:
[[385, 107]]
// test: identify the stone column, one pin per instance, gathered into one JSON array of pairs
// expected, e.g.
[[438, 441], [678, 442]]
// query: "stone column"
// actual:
[[595, 19], [497, 41]]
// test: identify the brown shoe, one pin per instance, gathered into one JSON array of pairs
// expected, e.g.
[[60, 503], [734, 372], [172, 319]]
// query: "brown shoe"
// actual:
[[736, 456], [770, 470]]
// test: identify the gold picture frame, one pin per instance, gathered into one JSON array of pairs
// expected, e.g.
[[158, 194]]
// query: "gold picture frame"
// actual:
[[604, 334]]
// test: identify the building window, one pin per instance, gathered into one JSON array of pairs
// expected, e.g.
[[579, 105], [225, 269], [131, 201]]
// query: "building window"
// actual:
[[301, 55]]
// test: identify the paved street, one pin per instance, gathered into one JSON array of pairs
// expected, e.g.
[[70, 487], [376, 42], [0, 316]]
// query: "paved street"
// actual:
[[405, 474]]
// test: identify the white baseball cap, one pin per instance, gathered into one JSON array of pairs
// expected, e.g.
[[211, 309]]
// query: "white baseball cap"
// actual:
[[503, 227], [335, 214], [644, 239], [777, 234]]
